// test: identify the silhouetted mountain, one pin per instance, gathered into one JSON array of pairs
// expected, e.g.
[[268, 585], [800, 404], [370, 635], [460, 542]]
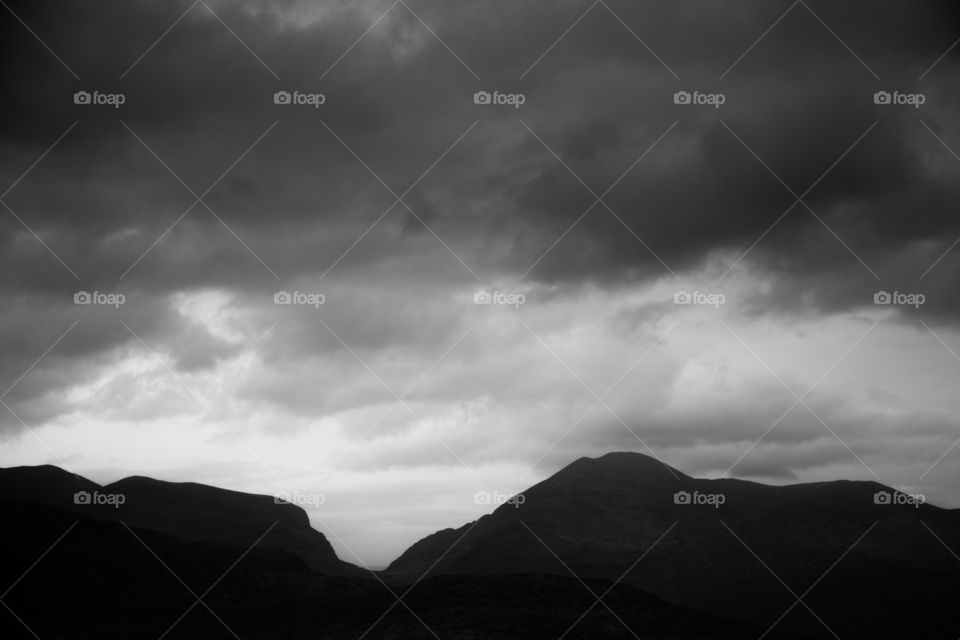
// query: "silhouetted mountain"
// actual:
[[190, 511], [100, 579], [885, 570], [187, 511], [43, 484], [601, 549], [79, 571], [100, 582]]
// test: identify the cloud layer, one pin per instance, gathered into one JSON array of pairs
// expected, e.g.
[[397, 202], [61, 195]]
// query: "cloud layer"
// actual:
[[199, 198]]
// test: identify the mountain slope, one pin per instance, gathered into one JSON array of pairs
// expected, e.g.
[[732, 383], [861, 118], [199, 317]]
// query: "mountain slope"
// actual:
[[44, 484], [187, 511], [598, 517], [73, 576], [195, 512]]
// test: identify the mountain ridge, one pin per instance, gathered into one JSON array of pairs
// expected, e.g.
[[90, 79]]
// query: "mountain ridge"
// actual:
[[733, 549], [717, 545], [188, 511]]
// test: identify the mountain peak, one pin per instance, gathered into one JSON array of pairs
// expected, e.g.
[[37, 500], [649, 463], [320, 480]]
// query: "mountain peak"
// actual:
[[624, 459], [617, 467], [699, 540], [44, 484]]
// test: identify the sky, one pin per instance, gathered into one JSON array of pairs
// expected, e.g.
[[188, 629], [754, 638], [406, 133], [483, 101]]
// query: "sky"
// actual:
[[381, 256]]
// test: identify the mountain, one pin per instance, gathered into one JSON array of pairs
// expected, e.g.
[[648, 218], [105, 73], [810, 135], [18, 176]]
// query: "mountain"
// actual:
[[187, 511], [44, 484], [195, 512], [724, 551], [620, 546], [174, 561], [100, 583]]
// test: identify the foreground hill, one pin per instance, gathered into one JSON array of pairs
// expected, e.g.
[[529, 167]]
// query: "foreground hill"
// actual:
[[871, 569]]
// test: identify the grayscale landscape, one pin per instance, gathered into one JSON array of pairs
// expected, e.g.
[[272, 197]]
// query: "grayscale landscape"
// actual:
[[479, 319]]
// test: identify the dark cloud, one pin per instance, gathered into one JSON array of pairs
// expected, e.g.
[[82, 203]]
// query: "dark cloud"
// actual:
[[199, 360], [287, 211], [200, 98]]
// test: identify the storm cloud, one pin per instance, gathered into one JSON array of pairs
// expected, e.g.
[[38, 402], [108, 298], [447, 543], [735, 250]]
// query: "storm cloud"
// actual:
[[800, 193]]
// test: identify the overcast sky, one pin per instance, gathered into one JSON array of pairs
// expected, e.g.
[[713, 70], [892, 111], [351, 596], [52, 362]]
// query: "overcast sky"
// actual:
[[786, 194]]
